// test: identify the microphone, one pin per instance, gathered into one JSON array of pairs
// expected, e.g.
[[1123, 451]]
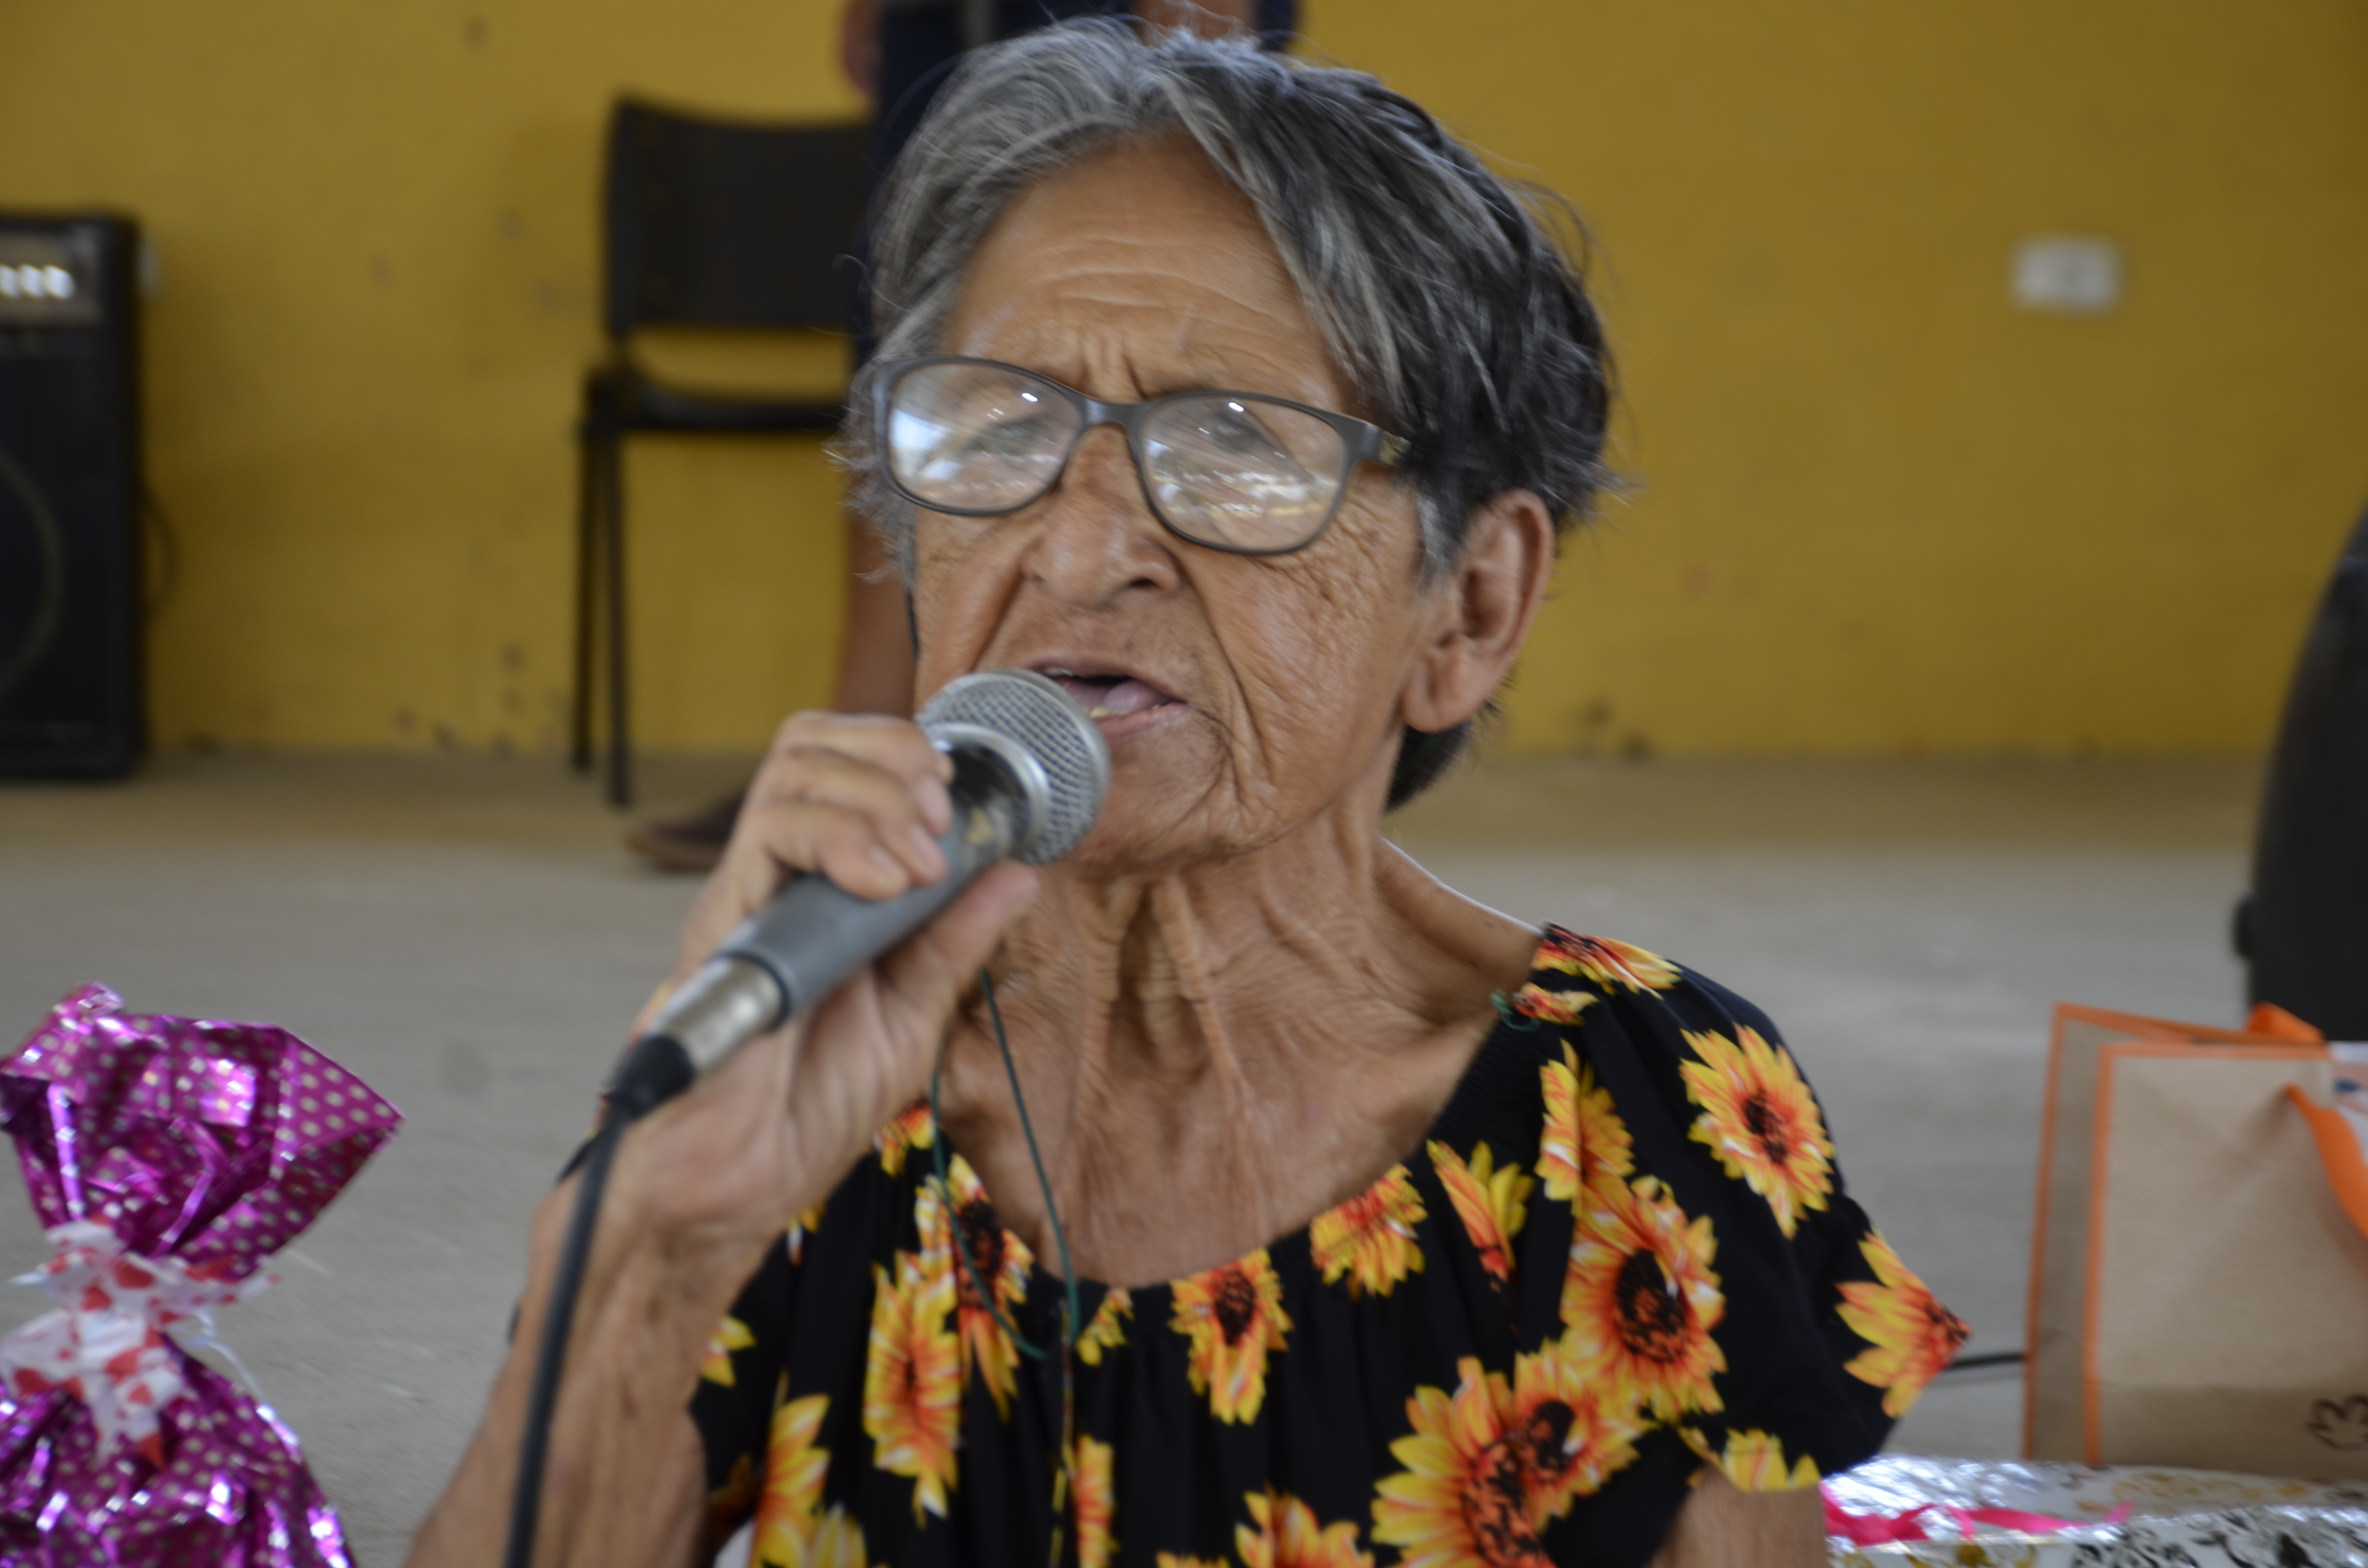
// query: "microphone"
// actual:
[[1031, 770]]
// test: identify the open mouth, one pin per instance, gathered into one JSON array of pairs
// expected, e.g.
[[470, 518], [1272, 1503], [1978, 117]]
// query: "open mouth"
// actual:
[[1108, 694]]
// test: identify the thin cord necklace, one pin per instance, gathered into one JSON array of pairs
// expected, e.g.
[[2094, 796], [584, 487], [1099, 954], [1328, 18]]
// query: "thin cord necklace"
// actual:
[[1064, 1489]]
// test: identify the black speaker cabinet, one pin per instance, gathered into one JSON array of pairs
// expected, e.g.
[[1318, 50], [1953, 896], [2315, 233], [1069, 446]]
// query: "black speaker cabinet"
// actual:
[[70, 496]]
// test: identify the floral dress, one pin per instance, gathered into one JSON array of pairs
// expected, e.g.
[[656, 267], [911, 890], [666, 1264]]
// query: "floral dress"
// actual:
[[1621, 1253]]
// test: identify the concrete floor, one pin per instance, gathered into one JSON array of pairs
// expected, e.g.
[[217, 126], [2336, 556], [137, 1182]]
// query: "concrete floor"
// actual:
[[469, 936]]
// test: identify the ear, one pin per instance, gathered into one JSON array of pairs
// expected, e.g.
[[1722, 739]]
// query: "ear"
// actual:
[[1482, 611]]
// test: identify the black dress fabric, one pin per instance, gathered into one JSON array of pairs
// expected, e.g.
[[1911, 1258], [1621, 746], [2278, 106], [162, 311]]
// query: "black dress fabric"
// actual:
[[1621, 1253]]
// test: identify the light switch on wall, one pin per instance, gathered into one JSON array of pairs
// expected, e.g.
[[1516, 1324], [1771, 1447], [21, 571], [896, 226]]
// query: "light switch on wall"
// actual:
[[2077, 274]]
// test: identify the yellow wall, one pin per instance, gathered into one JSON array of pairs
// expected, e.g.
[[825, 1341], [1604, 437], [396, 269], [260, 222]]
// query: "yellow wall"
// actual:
[[1878, 509], [1881, 509], [378, 294]]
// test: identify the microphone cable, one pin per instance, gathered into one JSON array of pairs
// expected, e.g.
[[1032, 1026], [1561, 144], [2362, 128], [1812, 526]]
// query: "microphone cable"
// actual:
[[655, 1071]]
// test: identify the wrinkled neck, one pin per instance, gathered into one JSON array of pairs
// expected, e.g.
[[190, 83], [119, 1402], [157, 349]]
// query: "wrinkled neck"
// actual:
[[1257, 966], [1253, 1029]]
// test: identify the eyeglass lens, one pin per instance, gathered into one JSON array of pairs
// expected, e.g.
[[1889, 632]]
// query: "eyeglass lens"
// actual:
[[1236, 471]]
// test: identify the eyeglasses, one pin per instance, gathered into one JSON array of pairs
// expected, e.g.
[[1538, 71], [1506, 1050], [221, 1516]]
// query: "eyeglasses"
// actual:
[[1232, 471]]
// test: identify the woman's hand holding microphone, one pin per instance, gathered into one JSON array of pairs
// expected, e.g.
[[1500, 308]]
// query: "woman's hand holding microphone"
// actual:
[[715, 1176]]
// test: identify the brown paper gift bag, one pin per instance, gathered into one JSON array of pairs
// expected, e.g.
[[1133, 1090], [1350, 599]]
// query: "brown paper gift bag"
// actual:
[[2199, 1291]]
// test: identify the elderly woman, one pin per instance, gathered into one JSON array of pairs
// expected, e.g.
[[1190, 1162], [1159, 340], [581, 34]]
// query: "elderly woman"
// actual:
[[1236, 397]]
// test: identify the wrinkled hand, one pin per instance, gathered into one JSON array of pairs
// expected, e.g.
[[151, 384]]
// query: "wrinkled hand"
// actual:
[[720, 1171]]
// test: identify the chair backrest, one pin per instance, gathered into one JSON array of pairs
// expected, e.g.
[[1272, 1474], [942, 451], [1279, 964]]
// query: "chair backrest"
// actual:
[[726, 224]]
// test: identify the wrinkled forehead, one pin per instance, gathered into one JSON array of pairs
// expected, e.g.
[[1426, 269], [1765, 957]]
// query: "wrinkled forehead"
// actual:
[[1138, 271]]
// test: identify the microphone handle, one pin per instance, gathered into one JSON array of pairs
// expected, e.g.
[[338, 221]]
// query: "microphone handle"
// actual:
[[815, 934], [787, 957]]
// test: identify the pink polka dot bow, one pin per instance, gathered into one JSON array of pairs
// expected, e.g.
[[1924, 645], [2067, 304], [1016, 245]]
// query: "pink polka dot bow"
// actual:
[[167, 1158]]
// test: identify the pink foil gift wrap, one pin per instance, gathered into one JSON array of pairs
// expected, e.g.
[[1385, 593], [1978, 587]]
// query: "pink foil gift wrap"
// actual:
[[168, 1158]]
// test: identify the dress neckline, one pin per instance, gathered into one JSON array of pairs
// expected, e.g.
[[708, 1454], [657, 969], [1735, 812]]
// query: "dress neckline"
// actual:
[[1482, 1082]]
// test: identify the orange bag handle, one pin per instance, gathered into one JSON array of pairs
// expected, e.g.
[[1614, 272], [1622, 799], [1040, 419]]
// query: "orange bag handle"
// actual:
[[2338, 1151], [2268, 1019]]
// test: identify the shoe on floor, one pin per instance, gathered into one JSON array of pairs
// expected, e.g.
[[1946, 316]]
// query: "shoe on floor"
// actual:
[[693, 843]]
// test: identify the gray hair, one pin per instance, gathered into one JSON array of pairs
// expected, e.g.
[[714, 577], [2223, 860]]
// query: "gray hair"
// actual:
[[1439, 291]]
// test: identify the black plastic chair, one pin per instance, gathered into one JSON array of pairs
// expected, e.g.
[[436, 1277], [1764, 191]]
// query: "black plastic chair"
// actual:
[[707, 222], [2304, 931]]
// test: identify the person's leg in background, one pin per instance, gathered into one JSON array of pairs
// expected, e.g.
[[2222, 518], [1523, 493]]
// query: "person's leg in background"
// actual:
[[875, 648], [895, 52]]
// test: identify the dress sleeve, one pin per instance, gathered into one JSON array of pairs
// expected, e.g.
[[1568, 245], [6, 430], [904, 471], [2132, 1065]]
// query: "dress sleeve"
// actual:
[[1741, 1302], [739, 1387]]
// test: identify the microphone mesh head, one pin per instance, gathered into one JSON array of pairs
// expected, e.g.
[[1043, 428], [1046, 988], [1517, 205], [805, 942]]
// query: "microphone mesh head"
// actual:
[[1032, 711]]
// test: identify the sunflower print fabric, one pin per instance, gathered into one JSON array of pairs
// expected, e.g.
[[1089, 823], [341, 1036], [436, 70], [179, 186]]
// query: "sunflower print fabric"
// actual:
[[1621, 1256]]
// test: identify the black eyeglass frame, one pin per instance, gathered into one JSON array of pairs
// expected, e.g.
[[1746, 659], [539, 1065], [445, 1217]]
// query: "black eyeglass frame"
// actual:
[[1363, 441]]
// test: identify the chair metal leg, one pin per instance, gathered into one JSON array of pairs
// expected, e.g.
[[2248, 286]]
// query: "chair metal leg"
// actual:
[[587, 552], [612, 491]]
